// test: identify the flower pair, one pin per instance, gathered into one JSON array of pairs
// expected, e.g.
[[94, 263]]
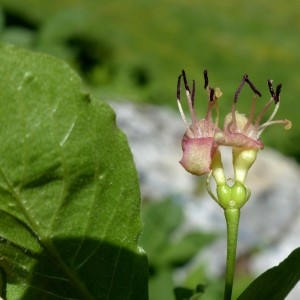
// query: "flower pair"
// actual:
[[203, 137]]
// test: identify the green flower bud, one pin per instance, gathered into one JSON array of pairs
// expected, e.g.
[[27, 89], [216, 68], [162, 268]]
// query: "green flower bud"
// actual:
[[243, 159], [240, 194], [217, 169], [224, 195], [232, 197]]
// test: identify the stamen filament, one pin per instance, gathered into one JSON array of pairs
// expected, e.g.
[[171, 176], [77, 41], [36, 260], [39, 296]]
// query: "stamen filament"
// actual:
[[233, 121], [287, 124], [262, 113], [274, 112], [238, 91], [193, 94], [195, 124], [212, 102], [190, 133], [252, 112], [217, 114], [211, 94]]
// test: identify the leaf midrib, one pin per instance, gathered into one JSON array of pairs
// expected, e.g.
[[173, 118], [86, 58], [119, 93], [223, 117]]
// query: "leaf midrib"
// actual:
[[45, 242]]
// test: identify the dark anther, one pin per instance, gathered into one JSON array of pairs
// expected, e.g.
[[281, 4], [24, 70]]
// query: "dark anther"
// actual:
[[277, 95], [238, 91], [271, 89], [211, 94], [185, 82], [178, 86], [211, 90], [205, 79], [193, 93], [254, 89]]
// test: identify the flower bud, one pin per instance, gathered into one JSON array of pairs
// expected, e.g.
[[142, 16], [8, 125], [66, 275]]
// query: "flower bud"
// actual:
[[198, 143], [197, 154], [239, 194], [224, 195], [243, 159], [232, 197]]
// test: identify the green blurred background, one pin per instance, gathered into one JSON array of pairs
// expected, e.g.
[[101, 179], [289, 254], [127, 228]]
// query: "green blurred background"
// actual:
[[135, 49]]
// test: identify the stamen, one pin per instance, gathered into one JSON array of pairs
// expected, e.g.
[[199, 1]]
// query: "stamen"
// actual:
[[251, 115], [236, 95], [271, 89], [238, 91], [253, 103], [278, 90], [253, 88], [217, 95], [217, 114], [211, 94], [205, 79], [178, 87], [214, 95], [193, 93], [287, 125], [275, 96], [195, 124], [180, 107], [233, 122], [187, 88], [274, 112], [209, 111], [276, 99], [262, 113]]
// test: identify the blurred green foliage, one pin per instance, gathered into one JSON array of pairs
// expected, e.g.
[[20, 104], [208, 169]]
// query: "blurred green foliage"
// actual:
[[135, 49], [169, 248]]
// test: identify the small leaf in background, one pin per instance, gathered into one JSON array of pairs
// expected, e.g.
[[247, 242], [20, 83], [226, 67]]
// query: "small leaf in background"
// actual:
[[69, 193], [180, 250], [277, 282], [189, 294], [161, 285], [161, 219], [182, 293], [168, 246]]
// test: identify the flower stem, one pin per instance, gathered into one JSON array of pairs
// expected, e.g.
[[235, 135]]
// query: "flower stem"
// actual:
[[232, 216]]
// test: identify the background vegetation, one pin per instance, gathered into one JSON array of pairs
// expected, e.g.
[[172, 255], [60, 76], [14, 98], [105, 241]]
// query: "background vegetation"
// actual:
[[134, 50]]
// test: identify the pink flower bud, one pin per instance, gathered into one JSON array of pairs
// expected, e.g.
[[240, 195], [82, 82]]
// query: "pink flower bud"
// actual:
[[198, 142], [197, 154]]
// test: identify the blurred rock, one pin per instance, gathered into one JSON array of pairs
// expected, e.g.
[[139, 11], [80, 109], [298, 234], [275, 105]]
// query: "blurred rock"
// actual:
[[269, 220]]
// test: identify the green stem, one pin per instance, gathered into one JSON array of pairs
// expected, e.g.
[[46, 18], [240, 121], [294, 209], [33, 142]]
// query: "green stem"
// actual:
[[232, 216]]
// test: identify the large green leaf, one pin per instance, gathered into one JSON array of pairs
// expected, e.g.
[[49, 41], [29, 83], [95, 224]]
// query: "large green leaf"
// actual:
[[277, 282], [69, 195]]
